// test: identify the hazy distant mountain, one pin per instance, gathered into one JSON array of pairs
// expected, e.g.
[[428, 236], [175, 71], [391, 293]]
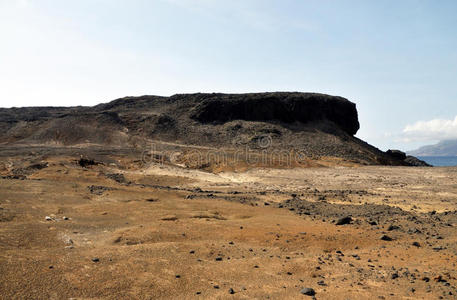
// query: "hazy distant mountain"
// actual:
[[443, 148]]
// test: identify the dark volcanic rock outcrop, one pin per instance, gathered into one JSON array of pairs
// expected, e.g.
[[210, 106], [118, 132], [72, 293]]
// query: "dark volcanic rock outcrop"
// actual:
[[415, 162], [397, 154], [407, 159], [283, 107]]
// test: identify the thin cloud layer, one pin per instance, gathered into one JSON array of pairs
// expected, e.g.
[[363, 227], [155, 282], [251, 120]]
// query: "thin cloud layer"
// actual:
[[433, 130]]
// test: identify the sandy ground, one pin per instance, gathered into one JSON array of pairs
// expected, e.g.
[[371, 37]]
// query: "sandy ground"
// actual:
[[166, 232]]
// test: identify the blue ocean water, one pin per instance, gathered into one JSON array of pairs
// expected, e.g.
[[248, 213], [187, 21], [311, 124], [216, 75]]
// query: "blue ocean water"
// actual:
[[440, 161]]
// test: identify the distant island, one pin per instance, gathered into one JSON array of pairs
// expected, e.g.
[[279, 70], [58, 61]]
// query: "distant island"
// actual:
[[443, 148]]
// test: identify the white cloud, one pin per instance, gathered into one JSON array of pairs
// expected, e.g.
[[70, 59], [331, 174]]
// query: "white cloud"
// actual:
[[433, 130]]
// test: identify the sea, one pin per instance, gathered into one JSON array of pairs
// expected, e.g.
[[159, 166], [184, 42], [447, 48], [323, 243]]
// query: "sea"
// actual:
[[440, 161]]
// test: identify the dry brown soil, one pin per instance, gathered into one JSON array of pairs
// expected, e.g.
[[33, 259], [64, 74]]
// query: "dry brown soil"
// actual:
[[167, 232]]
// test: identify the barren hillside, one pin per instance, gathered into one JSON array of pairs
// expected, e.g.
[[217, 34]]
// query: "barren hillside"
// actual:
[[310, 126]]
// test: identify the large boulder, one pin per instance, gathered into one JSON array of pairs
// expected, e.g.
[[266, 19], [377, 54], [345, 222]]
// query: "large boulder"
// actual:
[[400, 155]]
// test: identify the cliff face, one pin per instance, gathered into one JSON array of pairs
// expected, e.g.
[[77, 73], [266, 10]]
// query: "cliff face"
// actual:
[[282, 107], [315, 124]]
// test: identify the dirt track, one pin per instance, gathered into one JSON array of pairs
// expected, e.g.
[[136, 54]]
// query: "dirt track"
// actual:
[[173, 233]]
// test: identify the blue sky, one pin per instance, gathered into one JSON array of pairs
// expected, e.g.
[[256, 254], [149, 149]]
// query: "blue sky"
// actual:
[[396, 60]]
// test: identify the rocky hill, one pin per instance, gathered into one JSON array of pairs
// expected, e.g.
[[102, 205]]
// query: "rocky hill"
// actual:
[[314, 125]]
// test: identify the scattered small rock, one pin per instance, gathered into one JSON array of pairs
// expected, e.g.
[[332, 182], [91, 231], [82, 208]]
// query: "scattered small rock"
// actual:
[[344, 221], [98, 189], [439, 278], [84, 162], [386, 238], [308, 291], [169, 218], [393, 227], [119, 178]]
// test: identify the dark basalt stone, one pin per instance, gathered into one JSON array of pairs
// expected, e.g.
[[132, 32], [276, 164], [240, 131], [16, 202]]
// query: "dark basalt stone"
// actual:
[[281, 107], [344, 221], [407, 159], [415, 162], [397, 154]]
